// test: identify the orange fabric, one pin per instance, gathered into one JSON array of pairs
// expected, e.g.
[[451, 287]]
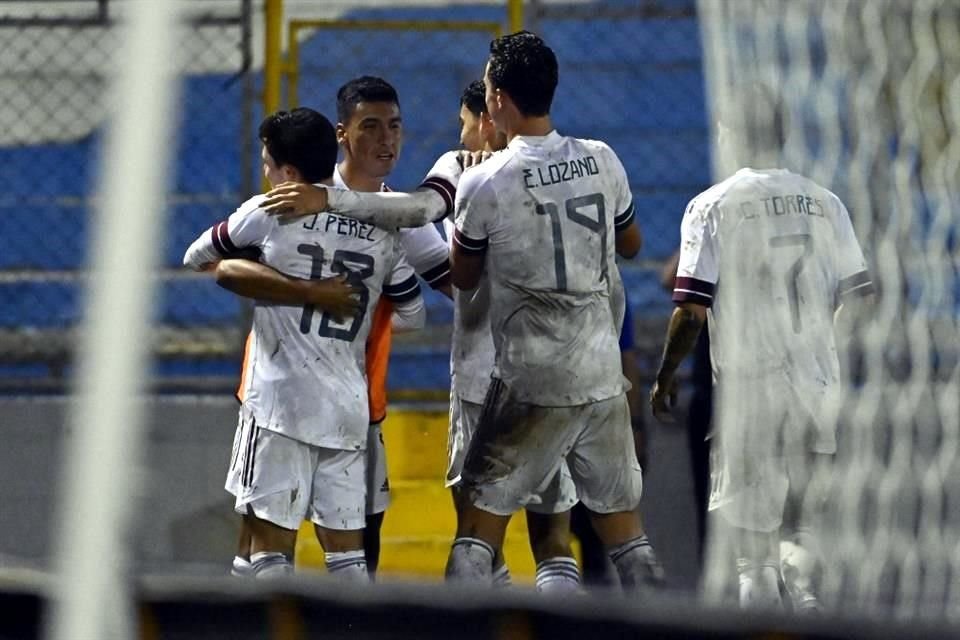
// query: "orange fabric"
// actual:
[[378, 356], [243, 368]]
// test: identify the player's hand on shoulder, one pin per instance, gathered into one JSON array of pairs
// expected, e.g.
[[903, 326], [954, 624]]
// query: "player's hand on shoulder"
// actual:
[[292, 200], [337, 296], [473, 158], [663, 398]]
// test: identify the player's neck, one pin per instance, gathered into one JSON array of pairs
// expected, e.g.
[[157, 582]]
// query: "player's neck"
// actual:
[[536, 126], [356, 180]]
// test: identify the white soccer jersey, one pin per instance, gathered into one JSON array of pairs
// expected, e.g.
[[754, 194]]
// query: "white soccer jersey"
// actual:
[[431, 202], [771, 253], [303, 374], [424, 247], [471, 345], [546, 210]]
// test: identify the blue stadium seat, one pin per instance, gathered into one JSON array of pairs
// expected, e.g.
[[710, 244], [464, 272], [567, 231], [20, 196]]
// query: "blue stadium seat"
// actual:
[[646, 296], [419, 368], [43, 236], [198, 302], [52, 304], [207, 157], [47, 171], [638, 97], [600, 41], [659, 214], [39, 304], [439, 307]]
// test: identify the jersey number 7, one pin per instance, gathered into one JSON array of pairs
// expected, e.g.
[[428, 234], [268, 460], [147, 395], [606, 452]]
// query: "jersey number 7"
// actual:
[[355, 277], [792, 276]]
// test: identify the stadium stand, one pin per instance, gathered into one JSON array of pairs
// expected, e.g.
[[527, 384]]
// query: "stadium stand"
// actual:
[[644, 96]]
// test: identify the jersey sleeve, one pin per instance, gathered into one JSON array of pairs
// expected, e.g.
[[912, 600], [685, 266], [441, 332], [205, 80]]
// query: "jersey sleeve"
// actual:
[[428, 254], [432, 201], [698, 269], [475, 209], [623, 197], [401, 284], [443, 179], [246, 228], [853, 277]]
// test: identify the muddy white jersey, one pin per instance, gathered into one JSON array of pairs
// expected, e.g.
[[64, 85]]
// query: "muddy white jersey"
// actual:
[[771, 253], [303, 373], [545, 210], [471, 345], [423, 247]]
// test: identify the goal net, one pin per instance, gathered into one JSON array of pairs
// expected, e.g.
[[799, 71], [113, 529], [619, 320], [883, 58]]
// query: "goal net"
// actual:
[[867, 96]]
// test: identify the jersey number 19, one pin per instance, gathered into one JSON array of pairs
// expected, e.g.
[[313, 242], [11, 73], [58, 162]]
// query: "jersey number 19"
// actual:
[[573, 208]]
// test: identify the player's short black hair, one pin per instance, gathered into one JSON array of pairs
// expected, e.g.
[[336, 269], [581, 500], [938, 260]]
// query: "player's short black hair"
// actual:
[[363, 89], [522, 65], [474, 98], [301, 138]]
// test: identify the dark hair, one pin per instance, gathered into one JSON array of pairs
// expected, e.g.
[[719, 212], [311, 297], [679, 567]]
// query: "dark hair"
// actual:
[[522, 65], [474, 98], [302, 138], [363, 89]]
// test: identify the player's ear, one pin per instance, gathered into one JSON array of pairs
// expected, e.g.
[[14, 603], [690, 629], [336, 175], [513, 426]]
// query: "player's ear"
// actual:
[[486, 128], [290, 173], [341, 134]]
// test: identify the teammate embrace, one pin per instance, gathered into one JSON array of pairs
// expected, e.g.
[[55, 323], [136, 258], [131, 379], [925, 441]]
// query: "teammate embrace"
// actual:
[[539, 417]]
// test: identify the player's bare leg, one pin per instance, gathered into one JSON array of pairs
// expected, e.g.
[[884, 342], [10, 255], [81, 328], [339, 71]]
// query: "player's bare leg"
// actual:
[[271, 548], [623, 535], [800, 555], [501, 573], [479, 539], [343, 553], [557, 570], [241, 562]]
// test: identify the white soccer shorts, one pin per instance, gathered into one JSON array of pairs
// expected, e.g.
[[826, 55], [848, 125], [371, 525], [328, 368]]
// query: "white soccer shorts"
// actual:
[[560, 494], [519, 449], [763, 453], [285, 481]]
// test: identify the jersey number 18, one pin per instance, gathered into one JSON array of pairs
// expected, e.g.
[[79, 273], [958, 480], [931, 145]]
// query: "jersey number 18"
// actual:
[[354, 276]]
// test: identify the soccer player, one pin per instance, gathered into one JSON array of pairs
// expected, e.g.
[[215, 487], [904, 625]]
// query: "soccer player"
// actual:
[[471, 365], [767, 255], [472, 358], [300, 449], [472, 345], [370, 135], [540, 219]]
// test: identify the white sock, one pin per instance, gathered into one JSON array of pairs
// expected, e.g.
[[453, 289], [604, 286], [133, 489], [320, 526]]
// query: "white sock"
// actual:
[[502, 578], [470, 561], [558, 575], [760, 587], [270, 564], [350, 566], [241, 568], [800, 566], [637, 564]]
